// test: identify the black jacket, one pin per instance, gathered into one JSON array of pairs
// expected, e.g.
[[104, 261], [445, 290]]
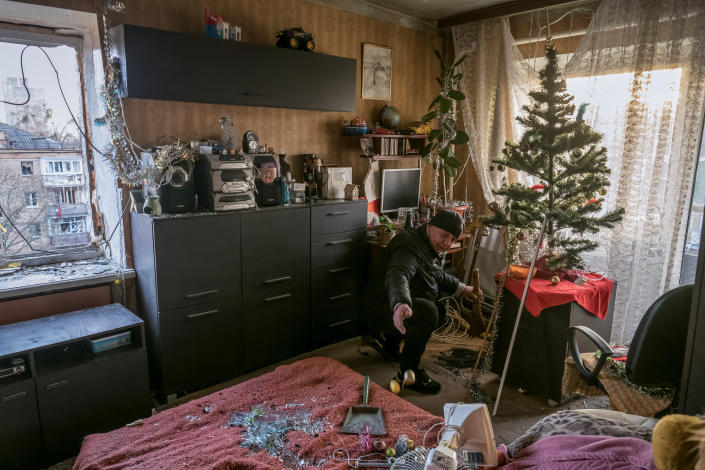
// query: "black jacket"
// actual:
[[413, 269]]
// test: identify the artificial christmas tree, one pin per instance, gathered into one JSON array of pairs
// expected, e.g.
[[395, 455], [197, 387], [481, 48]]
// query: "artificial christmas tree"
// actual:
[[570, 169]]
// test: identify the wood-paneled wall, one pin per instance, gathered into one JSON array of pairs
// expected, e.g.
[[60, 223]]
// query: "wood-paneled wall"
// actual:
[[295, 132]]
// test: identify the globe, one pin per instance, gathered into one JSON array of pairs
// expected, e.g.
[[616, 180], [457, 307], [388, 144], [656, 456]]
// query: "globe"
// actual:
[[389, 117]]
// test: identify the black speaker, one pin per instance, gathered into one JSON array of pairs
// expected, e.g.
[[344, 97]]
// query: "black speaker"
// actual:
[[177, 192], [269, 194]]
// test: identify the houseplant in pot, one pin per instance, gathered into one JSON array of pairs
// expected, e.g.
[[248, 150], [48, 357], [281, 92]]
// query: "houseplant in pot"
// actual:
[[446, 134]]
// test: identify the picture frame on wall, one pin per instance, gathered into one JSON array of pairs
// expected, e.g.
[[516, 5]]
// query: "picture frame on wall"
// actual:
[[376, 72]]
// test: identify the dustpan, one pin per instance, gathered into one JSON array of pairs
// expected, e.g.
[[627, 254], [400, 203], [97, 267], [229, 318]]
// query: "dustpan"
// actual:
[[364, 419]]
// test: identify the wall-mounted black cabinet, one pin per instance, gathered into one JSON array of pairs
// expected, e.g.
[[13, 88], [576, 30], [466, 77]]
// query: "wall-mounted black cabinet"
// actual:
[[166, 65]]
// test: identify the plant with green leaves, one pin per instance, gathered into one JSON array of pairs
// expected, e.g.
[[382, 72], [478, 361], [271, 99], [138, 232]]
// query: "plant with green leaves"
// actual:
[[563, 155], [446, 134]]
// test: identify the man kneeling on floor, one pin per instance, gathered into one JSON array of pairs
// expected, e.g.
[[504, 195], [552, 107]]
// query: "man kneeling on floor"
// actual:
[[405, 305]]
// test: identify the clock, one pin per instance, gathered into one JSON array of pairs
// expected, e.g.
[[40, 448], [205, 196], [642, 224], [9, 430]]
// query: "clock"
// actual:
[[250, 142]]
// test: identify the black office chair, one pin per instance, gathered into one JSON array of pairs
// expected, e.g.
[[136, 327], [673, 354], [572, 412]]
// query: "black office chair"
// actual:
[[657, 350]]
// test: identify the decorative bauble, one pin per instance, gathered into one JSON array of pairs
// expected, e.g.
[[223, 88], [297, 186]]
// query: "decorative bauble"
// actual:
[[520, 235], [538, 187], [409, 444], [500, 167], [401, 446], [494, 207], [379, 445], [491, 167], [603, 191], [394, 386], [391, 452], [409, 377], [389, 117], [555, 280]]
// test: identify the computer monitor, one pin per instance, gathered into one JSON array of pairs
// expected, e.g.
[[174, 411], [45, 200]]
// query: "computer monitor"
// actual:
[[400, 188]]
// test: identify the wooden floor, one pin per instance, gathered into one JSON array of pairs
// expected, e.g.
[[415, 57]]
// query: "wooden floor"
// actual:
[[516, 413]]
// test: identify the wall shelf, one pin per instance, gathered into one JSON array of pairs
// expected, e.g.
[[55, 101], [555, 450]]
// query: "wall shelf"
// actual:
[[392, 146], [166, 65]]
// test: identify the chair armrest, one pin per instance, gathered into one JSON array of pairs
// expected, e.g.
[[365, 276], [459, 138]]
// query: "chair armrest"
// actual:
[[590, 376]]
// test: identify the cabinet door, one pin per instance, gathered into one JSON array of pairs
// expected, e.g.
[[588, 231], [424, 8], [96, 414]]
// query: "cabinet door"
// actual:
[[200, 345], [334, 316], [197, 258], [20, 434], [275, 325], [275, 248], [96, 396], [333, 218]]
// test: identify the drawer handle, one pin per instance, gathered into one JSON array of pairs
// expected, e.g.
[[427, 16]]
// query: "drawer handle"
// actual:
[[12, 397], [340, 242], [57, 384], [338, 323], [277, 279], [278, 297], [338, 213], [202, 314], [201, 294], [339, 270], [341, 296]]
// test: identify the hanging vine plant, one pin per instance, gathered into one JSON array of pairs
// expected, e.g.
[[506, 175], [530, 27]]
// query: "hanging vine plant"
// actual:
[[446, 133]]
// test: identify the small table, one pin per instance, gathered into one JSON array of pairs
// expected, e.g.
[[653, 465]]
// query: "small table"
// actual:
[[541, 346]]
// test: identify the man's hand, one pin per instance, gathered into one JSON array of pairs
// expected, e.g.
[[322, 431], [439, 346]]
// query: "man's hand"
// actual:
[[470, 293], [401, 312]]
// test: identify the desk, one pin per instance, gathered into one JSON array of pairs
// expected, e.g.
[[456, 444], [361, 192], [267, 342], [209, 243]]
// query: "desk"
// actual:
[[541, 347]]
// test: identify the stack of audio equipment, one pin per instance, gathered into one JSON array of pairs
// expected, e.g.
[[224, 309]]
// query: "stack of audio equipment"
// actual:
[[225, 182]]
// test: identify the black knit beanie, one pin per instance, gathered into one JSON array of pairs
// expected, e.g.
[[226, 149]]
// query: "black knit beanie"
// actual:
[[450, 221]]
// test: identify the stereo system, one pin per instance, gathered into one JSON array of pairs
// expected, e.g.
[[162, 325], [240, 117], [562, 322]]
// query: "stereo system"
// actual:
[[225, 182]]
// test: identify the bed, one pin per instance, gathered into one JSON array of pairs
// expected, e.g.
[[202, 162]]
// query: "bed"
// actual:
[[236, 427]]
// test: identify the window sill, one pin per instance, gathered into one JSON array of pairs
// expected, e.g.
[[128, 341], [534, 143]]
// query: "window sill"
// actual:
[[44, 279]]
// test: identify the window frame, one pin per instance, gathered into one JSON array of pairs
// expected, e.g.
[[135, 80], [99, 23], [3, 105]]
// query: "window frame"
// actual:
[[31, 166]]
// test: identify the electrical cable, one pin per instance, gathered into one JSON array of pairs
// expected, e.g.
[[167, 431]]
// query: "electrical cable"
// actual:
[[87, 139], [57, 252], [61, 90]]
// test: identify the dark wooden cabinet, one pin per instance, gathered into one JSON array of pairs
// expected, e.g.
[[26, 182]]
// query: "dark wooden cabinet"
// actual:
[[337, 255], [68, 390], [275, 267], [225, 293], [166, 65], [200, 345], [189, 293], [20, 432], [541, 343]]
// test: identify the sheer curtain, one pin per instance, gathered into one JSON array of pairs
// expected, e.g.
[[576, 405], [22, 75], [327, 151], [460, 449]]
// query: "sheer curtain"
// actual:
[[641, 68], [641, 65], [496, 82]]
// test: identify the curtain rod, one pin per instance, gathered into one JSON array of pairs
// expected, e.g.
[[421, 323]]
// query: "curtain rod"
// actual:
[[513, 8]]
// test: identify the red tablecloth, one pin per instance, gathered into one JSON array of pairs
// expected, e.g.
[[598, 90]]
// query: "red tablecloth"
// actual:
[[593, 296]]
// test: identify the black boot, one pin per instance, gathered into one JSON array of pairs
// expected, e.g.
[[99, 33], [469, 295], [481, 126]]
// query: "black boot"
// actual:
[[388, 348], [422, 384]]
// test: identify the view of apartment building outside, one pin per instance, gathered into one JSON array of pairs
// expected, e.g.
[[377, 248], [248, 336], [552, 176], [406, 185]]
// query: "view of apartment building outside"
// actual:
[[42, 192]]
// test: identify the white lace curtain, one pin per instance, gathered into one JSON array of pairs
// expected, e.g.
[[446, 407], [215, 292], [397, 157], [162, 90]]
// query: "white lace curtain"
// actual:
[[496, 82], [641, 68]]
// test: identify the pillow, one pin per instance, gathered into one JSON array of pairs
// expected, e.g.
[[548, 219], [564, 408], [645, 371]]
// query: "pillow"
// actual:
[[676, 442]]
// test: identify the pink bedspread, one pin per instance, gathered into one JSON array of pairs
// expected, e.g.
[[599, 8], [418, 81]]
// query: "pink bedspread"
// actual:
[[188, 437], [584, 453]]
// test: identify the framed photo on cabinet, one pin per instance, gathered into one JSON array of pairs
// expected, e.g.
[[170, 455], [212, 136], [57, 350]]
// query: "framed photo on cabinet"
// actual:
[[376, 72]]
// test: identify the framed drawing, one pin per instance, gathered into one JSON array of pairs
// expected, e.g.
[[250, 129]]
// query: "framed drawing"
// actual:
[[376, 72]]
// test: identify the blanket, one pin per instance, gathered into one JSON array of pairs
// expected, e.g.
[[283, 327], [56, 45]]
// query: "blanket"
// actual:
[[216, 431]]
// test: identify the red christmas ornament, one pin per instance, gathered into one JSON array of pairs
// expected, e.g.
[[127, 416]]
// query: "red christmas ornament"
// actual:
[[591, 201], [538, 187], [494, 207]]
